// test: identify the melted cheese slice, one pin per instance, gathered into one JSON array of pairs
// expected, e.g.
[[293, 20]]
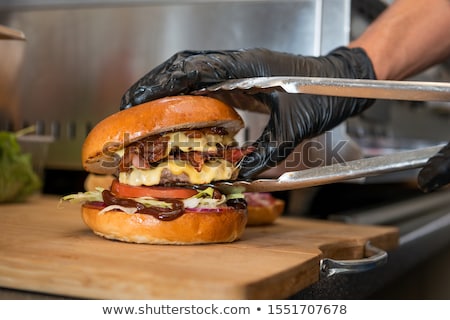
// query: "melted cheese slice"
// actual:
[[211, 171]]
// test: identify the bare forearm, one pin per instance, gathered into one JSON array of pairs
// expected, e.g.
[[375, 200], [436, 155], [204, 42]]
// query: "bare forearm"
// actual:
[[410, 36]]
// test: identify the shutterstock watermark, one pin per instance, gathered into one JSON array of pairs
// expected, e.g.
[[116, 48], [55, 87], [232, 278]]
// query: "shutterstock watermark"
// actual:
[[317, 152], [142, 154]]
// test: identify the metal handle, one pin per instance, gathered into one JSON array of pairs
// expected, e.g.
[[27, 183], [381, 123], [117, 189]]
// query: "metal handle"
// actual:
[[356, 88], [375, 257]]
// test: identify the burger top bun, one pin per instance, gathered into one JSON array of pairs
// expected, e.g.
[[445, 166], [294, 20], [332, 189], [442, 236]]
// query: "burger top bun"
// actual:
[[162, 115]]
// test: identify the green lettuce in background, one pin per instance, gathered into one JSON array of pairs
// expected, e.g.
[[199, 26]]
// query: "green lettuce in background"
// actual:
[[17, 178]]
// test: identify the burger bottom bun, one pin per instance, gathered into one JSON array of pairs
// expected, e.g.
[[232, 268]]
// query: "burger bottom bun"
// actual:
[[190, 228], [263, 215]]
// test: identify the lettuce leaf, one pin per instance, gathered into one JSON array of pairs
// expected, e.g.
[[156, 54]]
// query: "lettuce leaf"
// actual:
[[82, 197], [17, 178], [203, 199]]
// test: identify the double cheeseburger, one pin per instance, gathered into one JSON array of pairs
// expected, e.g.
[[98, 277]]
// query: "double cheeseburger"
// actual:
[[162, 154]]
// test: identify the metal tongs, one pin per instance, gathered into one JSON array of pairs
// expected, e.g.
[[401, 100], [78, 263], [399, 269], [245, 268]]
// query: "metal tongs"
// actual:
[[354, 169], [356, 88], [359, 88]]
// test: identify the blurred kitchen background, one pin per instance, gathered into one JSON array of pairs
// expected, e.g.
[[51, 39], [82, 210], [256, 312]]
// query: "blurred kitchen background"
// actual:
[[80, 56]]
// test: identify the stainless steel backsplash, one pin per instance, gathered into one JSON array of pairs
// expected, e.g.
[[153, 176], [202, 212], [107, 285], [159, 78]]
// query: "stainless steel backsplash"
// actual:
[[79, 58]]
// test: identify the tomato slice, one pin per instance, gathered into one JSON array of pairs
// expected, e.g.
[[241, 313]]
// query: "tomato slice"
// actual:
[[126, 191]]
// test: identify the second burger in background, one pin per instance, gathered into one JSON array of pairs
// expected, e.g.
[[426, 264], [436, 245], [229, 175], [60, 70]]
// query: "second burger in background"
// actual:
[[263, 208]]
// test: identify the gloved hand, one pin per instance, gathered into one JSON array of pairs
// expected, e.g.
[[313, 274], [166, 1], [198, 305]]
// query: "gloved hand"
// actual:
[[292, 117], [436, 172]]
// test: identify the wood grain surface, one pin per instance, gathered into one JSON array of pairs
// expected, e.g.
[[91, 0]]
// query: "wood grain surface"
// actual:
[[47, 248]]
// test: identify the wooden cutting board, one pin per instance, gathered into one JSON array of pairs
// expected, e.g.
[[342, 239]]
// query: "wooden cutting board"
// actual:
[[46, 248]]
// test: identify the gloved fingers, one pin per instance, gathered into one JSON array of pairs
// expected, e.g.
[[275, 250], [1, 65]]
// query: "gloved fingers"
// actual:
[[275, 143], [164, 85], [264, 158], [167, 79], [191, 70], [436, 172], [267, 154], [181, 73]]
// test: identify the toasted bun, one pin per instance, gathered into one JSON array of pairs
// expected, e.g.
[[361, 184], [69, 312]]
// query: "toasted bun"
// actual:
[[258, 215], [163, 115], [190, 228]]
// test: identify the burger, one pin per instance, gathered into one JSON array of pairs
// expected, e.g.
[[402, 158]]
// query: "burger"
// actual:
[[163, 156], [263, 208]]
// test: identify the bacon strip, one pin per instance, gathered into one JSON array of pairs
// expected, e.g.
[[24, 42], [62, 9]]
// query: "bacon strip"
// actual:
[[148, 152]]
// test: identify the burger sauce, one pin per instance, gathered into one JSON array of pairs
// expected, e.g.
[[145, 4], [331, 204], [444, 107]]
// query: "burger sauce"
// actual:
[[164, 214]]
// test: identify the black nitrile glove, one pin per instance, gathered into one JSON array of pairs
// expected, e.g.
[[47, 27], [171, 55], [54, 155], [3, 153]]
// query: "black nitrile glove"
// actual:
[[436, 172], [294, 117]]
